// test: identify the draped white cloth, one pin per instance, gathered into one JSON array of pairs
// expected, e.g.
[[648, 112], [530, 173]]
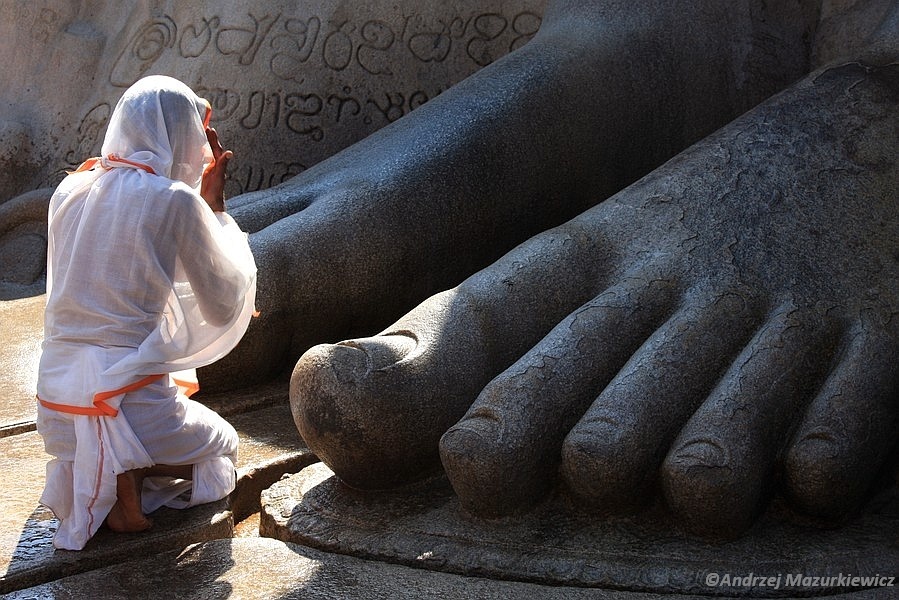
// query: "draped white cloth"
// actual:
[[143, 279]]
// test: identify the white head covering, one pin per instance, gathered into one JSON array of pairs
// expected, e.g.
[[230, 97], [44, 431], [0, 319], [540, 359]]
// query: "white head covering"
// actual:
[[160, 122], [142, 279]]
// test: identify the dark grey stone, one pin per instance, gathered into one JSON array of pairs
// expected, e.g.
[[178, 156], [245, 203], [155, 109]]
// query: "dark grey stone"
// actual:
[[424, 526], [720, 330]]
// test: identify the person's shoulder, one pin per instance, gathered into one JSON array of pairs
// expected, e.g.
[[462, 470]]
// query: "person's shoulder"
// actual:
[[74, 181], [180, 196]]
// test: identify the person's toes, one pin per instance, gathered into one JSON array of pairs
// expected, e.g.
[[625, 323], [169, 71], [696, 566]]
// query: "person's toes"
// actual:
[[120, 522], [847, 432], [720, 469], [610, 459], [503, 455]]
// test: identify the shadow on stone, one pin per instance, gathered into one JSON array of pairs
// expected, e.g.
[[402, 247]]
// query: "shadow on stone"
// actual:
[[35, 561]]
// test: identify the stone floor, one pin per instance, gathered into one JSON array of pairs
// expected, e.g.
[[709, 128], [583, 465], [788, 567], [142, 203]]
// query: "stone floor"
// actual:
[[212, 551]]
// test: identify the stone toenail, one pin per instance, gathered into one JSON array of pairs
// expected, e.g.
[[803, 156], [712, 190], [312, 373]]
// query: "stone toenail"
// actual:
[[704, 453]]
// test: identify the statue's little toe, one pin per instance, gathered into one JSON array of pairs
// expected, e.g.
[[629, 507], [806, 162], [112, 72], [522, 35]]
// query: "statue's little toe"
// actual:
[[846, 433]]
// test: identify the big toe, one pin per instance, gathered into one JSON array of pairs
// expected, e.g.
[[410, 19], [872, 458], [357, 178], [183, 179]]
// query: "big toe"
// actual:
[[349, 415]]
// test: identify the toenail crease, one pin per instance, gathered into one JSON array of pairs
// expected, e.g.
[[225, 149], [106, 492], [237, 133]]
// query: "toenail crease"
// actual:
[[704, 453], [821, 442], [350, 362], [484, 413]]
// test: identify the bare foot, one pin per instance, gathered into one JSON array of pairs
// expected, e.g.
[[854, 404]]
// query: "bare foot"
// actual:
[[126, 515]]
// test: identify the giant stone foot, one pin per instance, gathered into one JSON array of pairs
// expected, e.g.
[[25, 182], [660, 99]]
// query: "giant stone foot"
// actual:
[[558, 123], [522, 145], [717, 331]]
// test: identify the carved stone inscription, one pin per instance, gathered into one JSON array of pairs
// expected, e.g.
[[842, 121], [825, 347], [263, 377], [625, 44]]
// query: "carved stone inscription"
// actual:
[[292, 84]]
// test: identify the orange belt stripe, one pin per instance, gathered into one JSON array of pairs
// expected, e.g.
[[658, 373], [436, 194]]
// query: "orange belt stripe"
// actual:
[[100, 408]]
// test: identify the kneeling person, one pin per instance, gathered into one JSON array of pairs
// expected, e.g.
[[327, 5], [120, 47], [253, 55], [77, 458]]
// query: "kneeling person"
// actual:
[[147, 279]]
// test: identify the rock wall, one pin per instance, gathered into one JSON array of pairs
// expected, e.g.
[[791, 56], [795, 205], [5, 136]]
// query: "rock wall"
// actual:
[[291, 82]]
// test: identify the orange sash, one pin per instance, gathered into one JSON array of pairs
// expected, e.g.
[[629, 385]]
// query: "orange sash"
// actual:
[[100, 407]]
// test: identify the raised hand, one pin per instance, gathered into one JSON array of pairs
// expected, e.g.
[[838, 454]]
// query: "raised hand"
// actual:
[[213, 185]]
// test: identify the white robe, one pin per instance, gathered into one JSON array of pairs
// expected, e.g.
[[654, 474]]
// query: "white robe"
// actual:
[[143, 281]]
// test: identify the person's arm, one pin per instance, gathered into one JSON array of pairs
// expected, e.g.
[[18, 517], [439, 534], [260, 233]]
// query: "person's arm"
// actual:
[[212, 252], [207, 253]]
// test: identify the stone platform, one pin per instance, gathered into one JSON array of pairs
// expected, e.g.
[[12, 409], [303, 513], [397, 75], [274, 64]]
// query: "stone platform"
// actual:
[[425, 527]]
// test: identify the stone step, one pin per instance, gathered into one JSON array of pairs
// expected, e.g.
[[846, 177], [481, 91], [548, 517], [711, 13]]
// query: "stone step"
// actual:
[[263, 568], [266, 568], [269, 447]]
